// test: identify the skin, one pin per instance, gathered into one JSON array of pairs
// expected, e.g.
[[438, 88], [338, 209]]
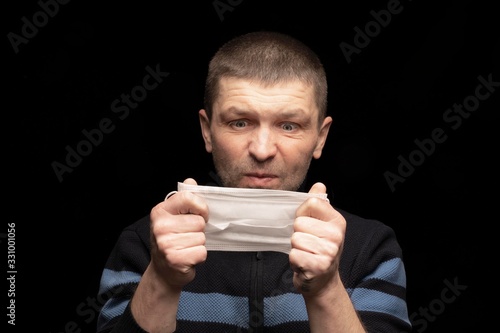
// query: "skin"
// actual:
[[260, 137]]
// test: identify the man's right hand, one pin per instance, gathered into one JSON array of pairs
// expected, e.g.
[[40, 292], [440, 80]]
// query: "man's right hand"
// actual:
[[177, 237], [177, 246]]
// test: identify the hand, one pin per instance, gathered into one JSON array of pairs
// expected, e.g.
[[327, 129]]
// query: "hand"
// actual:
[[317, 243], [177, 237]]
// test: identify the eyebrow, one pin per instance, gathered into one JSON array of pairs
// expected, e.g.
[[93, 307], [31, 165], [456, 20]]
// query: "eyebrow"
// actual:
[[285, 112], [293, 115]]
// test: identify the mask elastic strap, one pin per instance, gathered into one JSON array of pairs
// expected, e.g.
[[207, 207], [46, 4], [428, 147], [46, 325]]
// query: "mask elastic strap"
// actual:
[[170, 194]]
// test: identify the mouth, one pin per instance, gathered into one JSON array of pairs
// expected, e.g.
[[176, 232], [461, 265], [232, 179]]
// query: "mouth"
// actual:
[[260, 179], [260, 175]]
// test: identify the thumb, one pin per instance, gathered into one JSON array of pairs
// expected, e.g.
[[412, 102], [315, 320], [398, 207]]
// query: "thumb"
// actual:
[[190, 181], [318, 188]]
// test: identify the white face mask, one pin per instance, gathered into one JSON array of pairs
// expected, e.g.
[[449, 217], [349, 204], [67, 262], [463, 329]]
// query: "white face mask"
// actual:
[[245, 219]]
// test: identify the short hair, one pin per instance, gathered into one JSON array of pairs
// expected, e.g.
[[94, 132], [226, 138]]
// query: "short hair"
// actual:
[[269, 58]]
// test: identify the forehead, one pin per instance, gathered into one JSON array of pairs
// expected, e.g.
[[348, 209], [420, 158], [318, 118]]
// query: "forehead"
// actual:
[[294, 93]]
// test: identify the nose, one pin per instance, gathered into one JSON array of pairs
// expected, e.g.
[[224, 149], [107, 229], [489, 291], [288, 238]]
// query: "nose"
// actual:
[[263, 144]]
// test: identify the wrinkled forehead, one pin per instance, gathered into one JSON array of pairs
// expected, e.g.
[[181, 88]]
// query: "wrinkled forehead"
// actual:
[[231, 88], [245, 98]]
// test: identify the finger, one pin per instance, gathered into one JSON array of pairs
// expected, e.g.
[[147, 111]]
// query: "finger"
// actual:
[[187, 258], [190, 181], [327, 228], [170, 223], [309, 263], [316, 208], [309, 243], [182, 203], [199, 208], [304, 242], [180, 241], [318, 188]]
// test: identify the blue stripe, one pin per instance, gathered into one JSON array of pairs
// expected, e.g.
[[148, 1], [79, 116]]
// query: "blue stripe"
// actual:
[[284, 308], [112, 308], [213, 307], [111, 279], [392, 271], [376, 301], [232, 310]]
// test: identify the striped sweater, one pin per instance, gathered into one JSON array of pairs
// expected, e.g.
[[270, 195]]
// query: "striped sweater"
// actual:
[[254, 292]]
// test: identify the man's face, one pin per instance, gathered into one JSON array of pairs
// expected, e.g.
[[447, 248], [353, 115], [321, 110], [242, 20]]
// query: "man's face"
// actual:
[[263, 137]]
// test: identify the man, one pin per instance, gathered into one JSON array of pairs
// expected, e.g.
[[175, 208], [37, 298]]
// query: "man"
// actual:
[[264, 120]]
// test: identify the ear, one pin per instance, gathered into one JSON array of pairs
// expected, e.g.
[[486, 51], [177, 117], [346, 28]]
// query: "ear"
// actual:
[[205, 130], [323, 134]]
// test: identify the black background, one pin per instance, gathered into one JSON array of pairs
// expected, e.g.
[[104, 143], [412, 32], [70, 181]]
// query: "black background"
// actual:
[[394, 91]]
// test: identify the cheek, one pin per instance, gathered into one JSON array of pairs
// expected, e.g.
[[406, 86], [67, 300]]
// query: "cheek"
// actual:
[[298, 155], [298, 148], [228, 146]]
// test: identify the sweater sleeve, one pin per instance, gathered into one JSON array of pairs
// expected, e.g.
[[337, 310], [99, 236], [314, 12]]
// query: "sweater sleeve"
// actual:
[[121, 275], [374, 275]]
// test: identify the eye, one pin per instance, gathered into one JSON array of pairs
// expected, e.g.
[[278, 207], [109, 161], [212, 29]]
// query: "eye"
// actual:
[[289, 127], [238, 123]]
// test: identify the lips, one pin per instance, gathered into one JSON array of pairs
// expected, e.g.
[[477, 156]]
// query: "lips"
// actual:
[[261, 180], [260, 175]]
